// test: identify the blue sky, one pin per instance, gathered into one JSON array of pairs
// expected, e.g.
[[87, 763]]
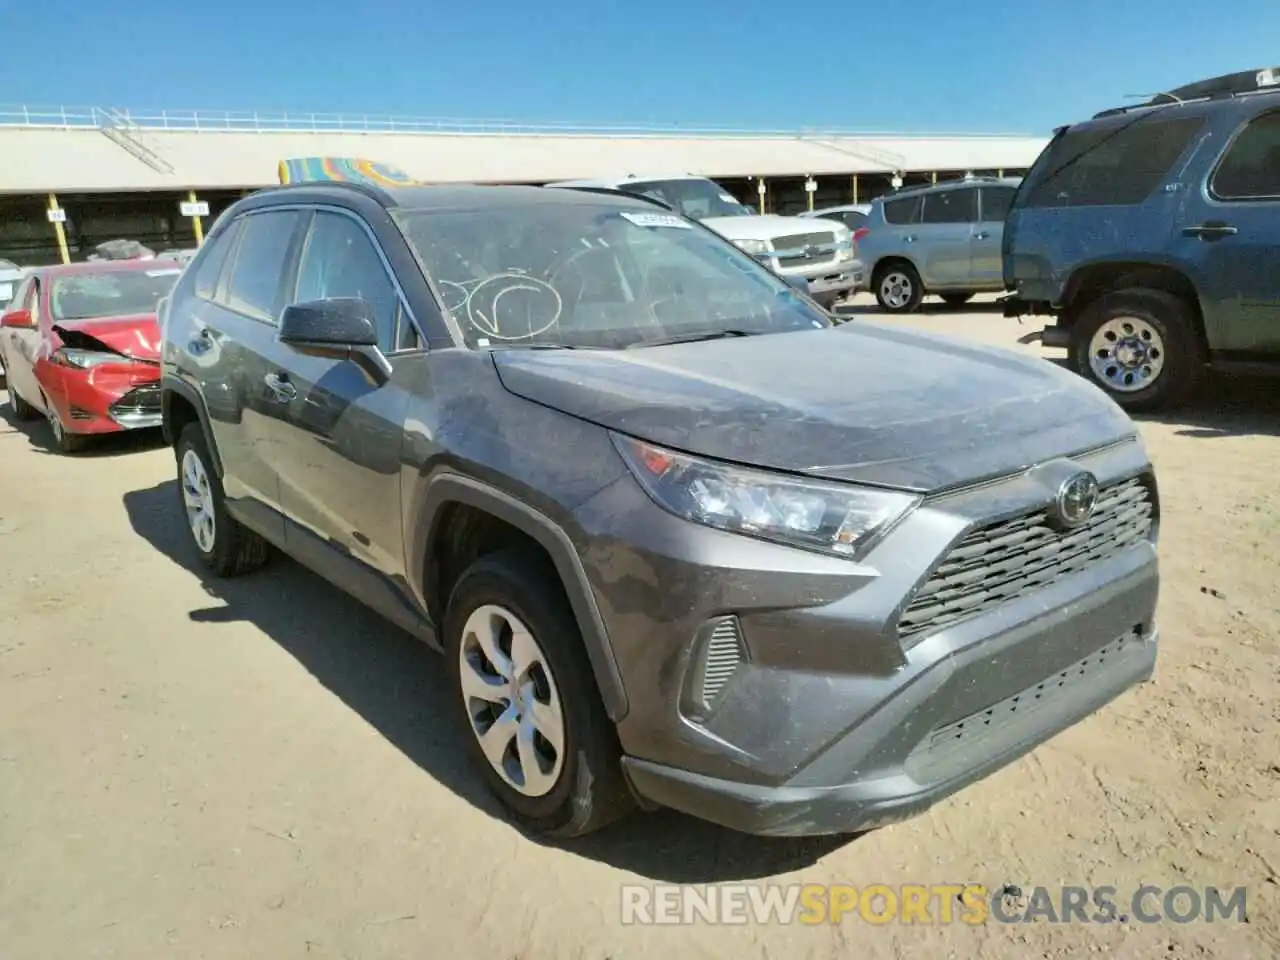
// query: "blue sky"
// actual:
[[921, 65]]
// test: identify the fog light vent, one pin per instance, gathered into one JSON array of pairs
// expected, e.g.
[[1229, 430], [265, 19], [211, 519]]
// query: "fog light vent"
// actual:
[[720, 654]]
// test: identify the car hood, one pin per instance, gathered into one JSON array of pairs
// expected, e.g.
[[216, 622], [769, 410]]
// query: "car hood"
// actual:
[[135, 336], [765, 227], [857, 402]]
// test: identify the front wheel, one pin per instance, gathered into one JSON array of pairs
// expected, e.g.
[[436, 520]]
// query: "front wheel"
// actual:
[[21, 409], [898, 288], [1140, 346], [535, 724], [63, 440]]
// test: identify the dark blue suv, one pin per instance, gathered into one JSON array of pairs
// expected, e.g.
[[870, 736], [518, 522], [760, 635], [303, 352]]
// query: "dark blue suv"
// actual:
[[1152, 234]]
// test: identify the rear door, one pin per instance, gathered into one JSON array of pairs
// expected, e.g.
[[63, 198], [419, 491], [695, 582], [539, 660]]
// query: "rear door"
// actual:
[[993, 206], [945, 236], [339, 465], [1230, 231], [239, 328]]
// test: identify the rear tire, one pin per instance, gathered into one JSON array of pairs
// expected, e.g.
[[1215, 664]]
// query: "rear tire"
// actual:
[[224, 545], [545, 684], [1141, 346], [898, 287]]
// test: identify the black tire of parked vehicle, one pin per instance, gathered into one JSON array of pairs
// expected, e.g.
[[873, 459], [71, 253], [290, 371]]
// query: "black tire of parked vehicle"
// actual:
[[912, 278], [64, 441], [591, 791], [1172, 318], [21, 409], [956, 299], [237, 550]]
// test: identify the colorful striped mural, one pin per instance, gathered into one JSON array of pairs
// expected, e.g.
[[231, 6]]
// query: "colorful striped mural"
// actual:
[[346, 169]]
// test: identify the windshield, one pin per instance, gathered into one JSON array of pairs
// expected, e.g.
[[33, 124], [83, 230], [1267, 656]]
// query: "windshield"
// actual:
[[115, 293], [696, 199], [587, 275]]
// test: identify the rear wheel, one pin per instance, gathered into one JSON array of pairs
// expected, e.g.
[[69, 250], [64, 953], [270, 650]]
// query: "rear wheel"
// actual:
[[534, 722], [898, 288], [1140, 346], [224, 545]]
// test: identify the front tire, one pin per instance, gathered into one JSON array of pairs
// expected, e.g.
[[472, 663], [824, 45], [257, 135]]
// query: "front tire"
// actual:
[[224, 545], [21, 409], [1140, 346], [63, 441], [534, 722], [898, 288]]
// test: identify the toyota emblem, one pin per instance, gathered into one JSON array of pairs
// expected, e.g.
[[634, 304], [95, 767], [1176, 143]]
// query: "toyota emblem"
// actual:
[[811, 251], [1077, 499]]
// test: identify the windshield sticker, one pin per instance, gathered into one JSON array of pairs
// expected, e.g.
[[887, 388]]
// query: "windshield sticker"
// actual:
[[167, 272], [657, 220]]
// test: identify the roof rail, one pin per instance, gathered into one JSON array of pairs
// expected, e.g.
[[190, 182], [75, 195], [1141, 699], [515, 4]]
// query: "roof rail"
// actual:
[[1266, 80], [377, 194]]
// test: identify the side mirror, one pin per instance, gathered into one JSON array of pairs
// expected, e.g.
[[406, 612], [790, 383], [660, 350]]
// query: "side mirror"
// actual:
[[799, 284], [17, 320], [340, 328]]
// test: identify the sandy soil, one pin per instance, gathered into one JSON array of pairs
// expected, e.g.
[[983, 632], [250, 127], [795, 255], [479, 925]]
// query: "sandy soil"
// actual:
[[262, 768]]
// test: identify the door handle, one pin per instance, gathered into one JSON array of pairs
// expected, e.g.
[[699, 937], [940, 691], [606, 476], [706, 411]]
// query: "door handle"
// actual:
[[201, 341], [1210, 230], [982, 235], [280, 387], [908, 239]]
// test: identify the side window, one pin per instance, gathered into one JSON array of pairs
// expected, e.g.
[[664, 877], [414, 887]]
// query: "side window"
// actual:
[[951, 206], [212, 257], [995, 203], [20, 297], [1251, 168], [1118, 163], [339, 260], [261, 260], [902, 211]]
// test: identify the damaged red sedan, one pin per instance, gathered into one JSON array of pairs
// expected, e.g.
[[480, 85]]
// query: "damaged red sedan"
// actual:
[[80, 345]]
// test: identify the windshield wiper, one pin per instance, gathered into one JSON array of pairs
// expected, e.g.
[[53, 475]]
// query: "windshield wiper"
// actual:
[[691, 338]]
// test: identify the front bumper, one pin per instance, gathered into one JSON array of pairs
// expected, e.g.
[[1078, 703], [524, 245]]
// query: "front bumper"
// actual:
[[105, 399], [830, 721]]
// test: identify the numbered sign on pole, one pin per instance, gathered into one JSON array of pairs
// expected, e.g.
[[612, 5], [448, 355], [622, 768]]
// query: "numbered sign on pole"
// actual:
[[811, 185], [197, 209], [56, 215]]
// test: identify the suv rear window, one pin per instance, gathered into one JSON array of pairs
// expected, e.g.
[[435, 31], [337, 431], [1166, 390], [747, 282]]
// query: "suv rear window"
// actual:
[[1251, 168], [1115, 162]]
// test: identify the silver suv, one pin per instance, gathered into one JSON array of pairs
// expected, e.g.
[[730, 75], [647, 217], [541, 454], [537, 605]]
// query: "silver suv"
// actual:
[[940, 239]]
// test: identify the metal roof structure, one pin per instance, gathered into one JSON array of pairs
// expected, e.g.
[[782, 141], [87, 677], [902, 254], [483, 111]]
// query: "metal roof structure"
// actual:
[[96, 150]]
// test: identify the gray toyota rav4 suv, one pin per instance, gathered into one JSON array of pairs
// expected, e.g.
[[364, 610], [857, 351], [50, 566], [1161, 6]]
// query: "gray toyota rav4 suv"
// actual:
[[684, 539]]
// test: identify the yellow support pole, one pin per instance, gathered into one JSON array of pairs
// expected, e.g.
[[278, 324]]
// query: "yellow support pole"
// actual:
[[760, 192], [1000, 174], [58, 229], [855, 188], [808, 192], [935, 176], [196, 225]]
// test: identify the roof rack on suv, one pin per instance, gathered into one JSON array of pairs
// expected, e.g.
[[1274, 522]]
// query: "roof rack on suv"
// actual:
[[1226, 85]]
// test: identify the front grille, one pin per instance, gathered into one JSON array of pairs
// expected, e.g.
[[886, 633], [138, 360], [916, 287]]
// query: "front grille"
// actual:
[[140, 400], [1003, 561], [799, 241], [797, 250]]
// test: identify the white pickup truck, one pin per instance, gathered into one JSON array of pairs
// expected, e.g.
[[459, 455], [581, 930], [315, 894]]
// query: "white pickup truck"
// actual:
[[823, 252]]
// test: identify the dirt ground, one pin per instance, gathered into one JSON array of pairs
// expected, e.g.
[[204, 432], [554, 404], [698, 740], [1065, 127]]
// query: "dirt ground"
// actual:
[[263, 768]]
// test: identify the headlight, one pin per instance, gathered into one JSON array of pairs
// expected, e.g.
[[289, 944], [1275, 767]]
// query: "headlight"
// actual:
[[84, 359], [754, 247], [835, 518]]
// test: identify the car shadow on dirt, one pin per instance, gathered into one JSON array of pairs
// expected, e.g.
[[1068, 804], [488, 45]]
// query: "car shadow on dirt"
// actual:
[[397, 684], [40, 437]]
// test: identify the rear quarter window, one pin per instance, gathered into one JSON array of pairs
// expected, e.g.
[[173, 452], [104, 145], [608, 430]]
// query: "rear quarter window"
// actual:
[[903, 210], [211, 260], [1114, 163], [1250, 169]]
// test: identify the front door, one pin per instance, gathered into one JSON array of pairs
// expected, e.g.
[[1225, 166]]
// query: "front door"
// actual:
[[1229, 230], [340, 471], [20, 345]]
